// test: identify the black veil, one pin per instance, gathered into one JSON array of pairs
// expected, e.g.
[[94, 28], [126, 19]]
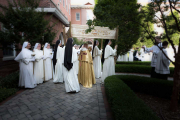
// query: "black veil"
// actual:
[[68, 54], [54, 56], [102, 59]]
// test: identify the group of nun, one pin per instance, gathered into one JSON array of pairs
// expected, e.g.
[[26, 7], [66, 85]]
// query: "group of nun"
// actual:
[[34, 66], [62, 65]]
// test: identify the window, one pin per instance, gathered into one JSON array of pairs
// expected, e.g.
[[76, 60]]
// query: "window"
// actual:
[[66, 6], [8, 51], [77, 16], [63, 3]]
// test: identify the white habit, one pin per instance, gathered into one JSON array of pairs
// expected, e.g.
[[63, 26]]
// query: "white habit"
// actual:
[[97, 62], [162, 65], [58, 77], [76, 64], [70, 77], [25, 59], [108, 65], [48, 63], [131, 55], [38, 66]]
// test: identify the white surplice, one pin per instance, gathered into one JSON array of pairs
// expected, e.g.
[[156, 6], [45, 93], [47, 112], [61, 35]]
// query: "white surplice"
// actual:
[[48, 64], [70, 77], [108, 65], [156, 50], [38, 66], [26, 77], [97, 62], [162, 65], [58, 77]]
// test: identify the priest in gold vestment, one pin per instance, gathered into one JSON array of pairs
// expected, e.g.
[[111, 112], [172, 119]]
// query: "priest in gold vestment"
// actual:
[[86, 75]]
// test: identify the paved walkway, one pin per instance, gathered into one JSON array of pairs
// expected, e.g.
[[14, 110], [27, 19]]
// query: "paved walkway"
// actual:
[[50, 101]]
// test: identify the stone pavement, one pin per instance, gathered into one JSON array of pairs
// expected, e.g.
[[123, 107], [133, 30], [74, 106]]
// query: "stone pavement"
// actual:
[[143, 75], [50, 101]]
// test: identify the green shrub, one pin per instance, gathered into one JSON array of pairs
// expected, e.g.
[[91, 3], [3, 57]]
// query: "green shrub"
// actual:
[[5, 93], [125, 105], [10, 81], [136, 63], [142, 69], [156, 87]]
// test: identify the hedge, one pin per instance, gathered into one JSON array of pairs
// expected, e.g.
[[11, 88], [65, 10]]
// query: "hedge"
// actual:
[[136, 63], [125, 105], [142, 69], [151, 86], [10, 81], [9, 85], [5, 93]]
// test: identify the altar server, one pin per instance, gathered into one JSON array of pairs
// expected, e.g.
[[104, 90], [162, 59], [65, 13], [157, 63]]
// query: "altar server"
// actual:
[[48, 55], [69, 73], [108, 60], [86, 71], [58, 77], [162, 65], [26, 59], [96, 53], [155, 50], [38, 64]]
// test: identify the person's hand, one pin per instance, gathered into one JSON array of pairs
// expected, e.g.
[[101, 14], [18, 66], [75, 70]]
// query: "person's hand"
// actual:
[[151, 50], [116, 47]]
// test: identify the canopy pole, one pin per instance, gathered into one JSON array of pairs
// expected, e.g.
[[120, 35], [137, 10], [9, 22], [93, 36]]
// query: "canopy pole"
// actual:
[[101, 43], [64, 35]]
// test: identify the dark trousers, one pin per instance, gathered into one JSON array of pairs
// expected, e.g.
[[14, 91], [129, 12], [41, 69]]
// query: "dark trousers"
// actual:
[[153, 73], [162, 76]]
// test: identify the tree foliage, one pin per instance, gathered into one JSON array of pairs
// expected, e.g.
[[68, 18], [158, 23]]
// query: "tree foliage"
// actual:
[[173, 32], [77, 41], [20, 17], [122, 13], [171, 26]]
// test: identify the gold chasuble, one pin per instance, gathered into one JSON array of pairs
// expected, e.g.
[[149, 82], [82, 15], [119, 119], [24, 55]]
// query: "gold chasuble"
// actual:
[[86, 75]]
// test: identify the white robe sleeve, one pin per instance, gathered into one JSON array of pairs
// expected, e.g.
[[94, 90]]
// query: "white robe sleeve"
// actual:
[[109, 51]]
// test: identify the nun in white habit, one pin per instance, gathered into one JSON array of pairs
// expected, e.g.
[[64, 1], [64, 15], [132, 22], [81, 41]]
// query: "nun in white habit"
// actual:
[[131, 55], [96, 53], [69, 73], [108, 60], [76, 64], [25, 59], [58, 77], [38, 64], [48, 55]]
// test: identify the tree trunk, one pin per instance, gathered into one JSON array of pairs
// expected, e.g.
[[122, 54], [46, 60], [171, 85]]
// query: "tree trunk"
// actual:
[[176, 83]]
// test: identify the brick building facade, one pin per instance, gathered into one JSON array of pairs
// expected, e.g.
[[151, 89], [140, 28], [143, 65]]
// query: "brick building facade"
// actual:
[[58, 11]]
